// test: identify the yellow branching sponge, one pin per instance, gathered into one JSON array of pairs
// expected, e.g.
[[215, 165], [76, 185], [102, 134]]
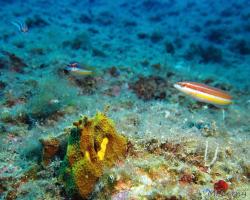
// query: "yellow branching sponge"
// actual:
[[93, 145]]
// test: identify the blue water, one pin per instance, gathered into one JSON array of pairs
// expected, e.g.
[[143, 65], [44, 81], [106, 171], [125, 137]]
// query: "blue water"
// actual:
[[136, 50]]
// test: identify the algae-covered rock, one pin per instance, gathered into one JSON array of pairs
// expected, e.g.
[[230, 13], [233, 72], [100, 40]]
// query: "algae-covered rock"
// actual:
[[50, 148], [93, 145]]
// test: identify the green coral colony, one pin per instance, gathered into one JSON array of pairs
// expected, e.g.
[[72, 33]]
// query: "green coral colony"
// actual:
[[93, 145]]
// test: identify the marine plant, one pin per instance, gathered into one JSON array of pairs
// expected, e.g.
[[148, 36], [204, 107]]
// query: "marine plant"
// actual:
[[52, 96], [93, 145]]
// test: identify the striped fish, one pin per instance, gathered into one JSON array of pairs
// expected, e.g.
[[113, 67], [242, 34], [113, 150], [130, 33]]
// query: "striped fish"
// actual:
[[204, 93], [74, 68], [22, 27]]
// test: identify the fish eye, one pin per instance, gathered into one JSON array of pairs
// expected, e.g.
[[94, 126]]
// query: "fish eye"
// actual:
[[183, 84]]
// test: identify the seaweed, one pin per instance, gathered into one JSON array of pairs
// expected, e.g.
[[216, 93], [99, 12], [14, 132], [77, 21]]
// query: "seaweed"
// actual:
[[50, 99], [2, 85], [156, 18], [241, 47], [81, 41], [16, 63], [211, 54], [85, 19], [150, 4], [142, 35], [93, 30], [129, 23], [3, 63], [19, 45], [105, 18], [37, 51], [227, 12], [169, 47], [205, 54], [217, 36], [212, 22], [98, 53], [156, 37], [196, 28]]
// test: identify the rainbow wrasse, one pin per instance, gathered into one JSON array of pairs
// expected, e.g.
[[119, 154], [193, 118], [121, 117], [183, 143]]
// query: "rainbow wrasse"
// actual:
[[204, 93]]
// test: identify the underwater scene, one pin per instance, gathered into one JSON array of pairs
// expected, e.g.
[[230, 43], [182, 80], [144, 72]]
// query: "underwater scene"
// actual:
[[125, 100]]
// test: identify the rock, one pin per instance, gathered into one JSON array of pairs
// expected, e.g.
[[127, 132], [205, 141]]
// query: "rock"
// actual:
[[50, 148]]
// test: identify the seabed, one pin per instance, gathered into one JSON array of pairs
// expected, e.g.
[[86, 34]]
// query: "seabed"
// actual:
[[172, 147]]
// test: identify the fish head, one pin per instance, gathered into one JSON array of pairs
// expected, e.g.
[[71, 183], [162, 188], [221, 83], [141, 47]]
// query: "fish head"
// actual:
[[24, 28], [74, 65], [180, 85]]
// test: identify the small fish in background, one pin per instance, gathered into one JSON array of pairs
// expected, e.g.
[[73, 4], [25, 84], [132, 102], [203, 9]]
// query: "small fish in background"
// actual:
[[22, 26], [75, 69], [204, 93]]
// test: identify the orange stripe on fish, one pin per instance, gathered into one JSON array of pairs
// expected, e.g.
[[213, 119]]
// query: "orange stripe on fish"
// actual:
[[204, 93]]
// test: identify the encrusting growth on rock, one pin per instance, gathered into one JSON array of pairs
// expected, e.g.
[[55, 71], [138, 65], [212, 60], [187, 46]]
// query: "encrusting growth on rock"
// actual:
[[50, 148], [93, 145]]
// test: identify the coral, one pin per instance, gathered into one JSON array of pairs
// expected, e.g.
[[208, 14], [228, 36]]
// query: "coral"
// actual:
[[148, 88], [36, 21], [88, 84], [113, 71], [50, 148], [172, 169], [15, 63], [93, 145]]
